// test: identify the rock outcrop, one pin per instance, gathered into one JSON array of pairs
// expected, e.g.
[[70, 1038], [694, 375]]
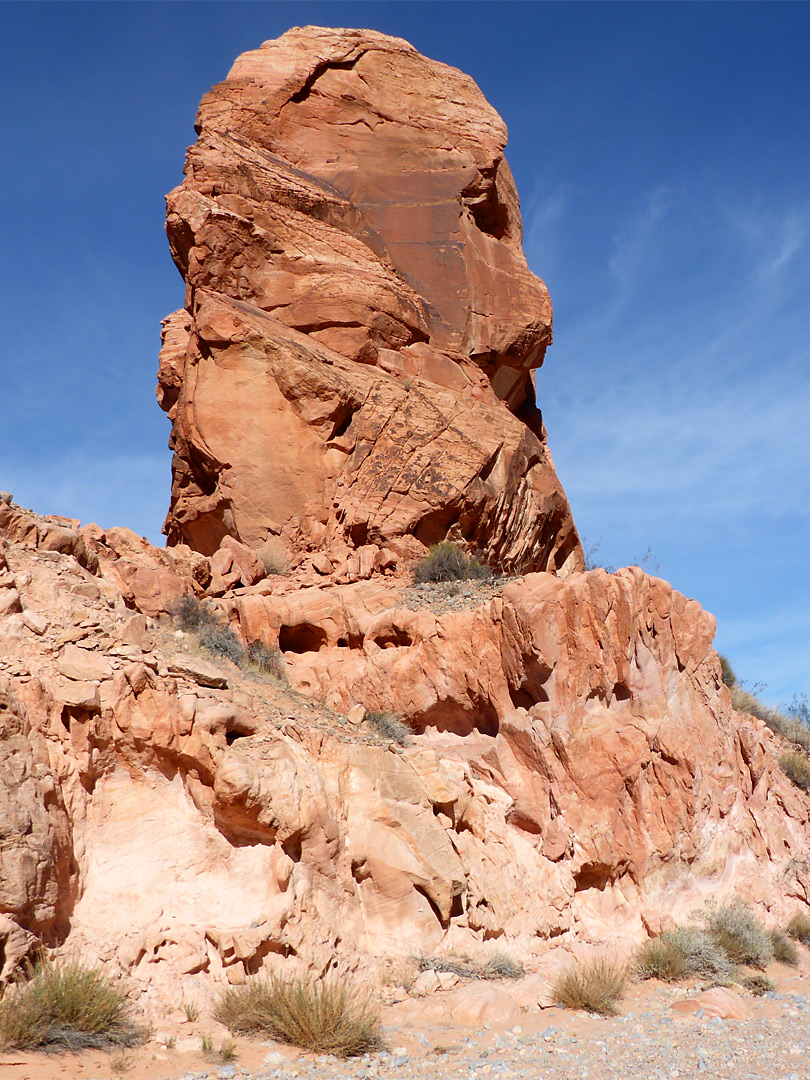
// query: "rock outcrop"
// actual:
[[350, 379], [350, 236], [575, 771]]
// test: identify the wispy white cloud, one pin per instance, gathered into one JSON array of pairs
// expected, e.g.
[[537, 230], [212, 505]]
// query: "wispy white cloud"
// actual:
[[122, 489], [634, 239]]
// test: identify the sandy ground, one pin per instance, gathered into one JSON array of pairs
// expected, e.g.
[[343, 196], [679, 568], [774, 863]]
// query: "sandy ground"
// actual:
[[649, 1039]]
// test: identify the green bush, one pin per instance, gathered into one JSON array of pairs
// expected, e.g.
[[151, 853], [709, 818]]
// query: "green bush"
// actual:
[[325, 1017], [595, 986], [447, 562], [66, 1006], [221, 642]]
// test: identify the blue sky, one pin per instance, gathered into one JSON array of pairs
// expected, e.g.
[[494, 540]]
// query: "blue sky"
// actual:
[[662, 153]]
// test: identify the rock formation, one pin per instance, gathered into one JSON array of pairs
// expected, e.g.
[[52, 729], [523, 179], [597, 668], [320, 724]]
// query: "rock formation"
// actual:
[[350, 236], [351, 377]]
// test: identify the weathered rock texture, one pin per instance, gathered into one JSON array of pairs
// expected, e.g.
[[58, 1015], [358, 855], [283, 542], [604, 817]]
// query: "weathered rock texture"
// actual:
[[354, 361], [575, 772]]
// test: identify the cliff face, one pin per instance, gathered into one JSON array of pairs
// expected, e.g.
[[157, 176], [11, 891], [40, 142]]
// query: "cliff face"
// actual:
[[351, 376], [350, 236]]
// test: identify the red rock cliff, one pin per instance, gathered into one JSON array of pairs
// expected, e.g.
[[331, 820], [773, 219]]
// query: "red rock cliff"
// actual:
[[354, 361]]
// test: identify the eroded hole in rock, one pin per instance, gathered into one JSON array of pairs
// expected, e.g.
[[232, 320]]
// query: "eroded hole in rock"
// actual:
[[301, 638], [293, 846], [457, 906], [350, 641], [232, 736], [451, 717], [358, 533], [621, 692], [593, 876], [255, 963], [520, 698], [434, 527], [434, 907], [393, 637]]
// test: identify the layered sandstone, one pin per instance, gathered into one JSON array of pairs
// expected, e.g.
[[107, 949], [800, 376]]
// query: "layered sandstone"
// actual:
[[351, 378], [350, 236], [576, 772]]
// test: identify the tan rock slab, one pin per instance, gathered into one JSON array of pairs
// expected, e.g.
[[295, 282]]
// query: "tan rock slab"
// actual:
[[200, 671], [720, 1002], [83, 665], [35, 622], [79, 695]]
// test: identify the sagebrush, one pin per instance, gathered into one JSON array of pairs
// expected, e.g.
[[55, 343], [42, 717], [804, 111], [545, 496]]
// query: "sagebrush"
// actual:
[[739, 933], [681, 953], [323, 1016]]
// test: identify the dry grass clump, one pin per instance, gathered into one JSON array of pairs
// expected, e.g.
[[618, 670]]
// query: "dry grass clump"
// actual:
[[265, 660], [797, 768], [391, 727], [681, 953], [195, 617], [758, 984], [792, 728], [784, 951], [798, 927], [66, 1006], [325, 1017], [594, 986], [448, 562], [739, 933], [498, 965]]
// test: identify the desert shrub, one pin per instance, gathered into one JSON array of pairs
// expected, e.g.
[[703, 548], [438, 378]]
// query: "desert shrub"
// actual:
[[499, 965], [798, 927], [790, 727], [758, 984], [67, 1006], [739, 933], [222, 642], [448, 562], [190, 613], [661, 958], [784, 951], [797, 768], [595, 986], [799, 709], [391, 727], [325, 1017], [681, 953], [729, 678], [267, 660], [274, 557]]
